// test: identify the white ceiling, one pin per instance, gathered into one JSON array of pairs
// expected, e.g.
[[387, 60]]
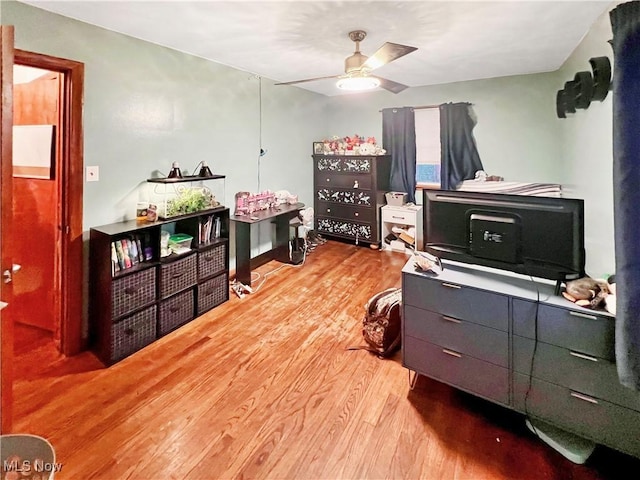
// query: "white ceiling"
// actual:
[[295, 40]]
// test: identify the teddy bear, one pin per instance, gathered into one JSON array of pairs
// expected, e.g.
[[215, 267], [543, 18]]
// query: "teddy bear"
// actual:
[[367, 149], [592, 293]]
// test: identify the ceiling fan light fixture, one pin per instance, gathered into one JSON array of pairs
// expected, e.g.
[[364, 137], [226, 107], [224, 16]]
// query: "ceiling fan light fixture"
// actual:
[[358, 83]]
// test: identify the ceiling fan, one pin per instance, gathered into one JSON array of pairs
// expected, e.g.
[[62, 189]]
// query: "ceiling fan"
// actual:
[[358, 67]]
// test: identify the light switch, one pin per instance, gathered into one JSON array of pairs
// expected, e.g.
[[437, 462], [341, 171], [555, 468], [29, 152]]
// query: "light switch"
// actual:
[[93, 174]]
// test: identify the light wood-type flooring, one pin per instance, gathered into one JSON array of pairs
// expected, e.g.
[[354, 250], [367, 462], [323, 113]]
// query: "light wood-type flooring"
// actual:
[[264, 387]]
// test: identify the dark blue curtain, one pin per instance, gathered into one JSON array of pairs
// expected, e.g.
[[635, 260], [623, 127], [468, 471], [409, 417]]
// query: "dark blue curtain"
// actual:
[[625, 23], [399, 140], [459, 158]]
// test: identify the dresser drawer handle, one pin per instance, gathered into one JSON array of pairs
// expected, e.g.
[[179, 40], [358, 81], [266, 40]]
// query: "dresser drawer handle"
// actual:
[[450, 319], [583, 315], [177, 275], [452, 353], [357, 214], [583, 356], [579, 396], [328, 210], [399, 218], [133, 289], [328, 179], [451, 285]]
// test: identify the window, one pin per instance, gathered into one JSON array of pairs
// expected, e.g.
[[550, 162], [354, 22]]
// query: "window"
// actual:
[[427, 147]]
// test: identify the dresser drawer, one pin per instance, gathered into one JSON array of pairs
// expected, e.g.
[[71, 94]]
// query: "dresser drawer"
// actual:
[[352, 180], [577, 330], [344, 228], [348, 164], [346, 196], [347, 212], [400, 216], [470, 339], [464, 303], [178, 275], [584, 373], [467, 373], [588, 416], [133, 291]]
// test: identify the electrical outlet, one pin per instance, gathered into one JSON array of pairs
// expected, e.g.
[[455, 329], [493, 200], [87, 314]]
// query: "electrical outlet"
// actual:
[[93, 174]]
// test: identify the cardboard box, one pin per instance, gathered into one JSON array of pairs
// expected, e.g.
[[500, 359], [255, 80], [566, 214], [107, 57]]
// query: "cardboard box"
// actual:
[[396, 199], [407, 238]]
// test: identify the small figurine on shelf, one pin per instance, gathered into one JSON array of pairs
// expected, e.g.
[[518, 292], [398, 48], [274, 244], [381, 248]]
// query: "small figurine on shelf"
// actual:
[[247, 203], [242, 204], [152, 213], [352, 145]]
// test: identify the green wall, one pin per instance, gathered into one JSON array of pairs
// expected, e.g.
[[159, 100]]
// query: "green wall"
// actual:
[[519, 135], [587, 152], [515, 132], [147, 106]]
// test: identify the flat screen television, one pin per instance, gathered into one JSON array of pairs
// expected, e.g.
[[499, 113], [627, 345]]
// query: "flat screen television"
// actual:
[[538, 236]]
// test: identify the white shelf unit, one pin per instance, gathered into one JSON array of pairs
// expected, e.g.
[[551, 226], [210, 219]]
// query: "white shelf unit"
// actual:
[[404, 216]]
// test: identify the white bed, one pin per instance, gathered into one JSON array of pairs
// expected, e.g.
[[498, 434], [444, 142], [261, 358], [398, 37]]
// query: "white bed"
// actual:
[[480, 184]]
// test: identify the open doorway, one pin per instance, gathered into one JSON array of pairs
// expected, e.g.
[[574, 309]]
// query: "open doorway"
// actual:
[[47, 207], [37, 134]]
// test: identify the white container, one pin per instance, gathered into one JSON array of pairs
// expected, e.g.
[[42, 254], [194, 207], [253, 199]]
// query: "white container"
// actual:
[[396, 199]]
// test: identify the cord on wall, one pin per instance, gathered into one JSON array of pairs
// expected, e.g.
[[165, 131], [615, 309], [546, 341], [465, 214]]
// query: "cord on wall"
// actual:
[[262, 152]]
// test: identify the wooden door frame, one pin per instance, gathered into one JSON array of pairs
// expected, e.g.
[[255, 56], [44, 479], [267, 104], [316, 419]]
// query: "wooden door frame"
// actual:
[[6, 214], [70, 190]]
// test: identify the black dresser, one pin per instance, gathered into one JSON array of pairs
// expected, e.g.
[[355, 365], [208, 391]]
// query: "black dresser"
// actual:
[[349, 192]]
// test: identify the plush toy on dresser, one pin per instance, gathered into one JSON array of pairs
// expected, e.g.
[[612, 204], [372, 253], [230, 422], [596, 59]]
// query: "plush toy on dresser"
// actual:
[[592, 293]]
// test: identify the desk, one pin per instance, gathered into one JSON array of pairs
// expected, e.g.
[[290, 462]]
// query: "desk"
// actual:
[[280, 251]]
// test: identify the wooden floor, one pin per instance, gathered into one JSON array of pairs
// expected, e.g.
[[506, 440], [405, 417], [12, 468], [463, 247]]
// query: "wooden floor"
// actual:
[[264, 387]]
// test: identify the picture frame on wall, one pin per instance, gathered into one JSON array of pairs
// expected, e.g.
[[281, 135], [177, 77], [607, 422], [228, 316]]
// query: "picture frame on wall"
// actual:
[[34, 151], [318, 148]]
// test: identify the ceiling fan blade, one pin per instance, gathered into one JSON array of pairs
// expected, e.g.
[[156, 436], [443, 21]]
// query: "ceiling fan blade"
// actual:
[[387, 53], [307, 80], [390, 85]]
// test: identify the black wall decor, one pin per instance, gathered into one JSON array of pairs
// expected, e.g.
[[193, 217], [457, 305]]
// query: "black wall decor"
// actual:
[[601, 77], [585, 88]]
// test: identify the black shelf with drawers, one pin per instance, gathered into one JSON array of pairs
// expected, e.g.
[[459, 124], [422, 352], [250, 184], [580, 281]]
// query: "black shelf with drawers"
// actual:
[[348, 194], [514, 342], [132, 307]]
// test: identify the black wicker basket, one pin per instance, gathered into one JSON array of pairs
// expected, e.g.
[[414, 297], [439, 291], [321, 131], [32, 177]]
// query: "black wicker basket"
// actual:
[[212, 293], [212, 261], [133, 291], [176, 311], [177, 276], [132, 334]]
